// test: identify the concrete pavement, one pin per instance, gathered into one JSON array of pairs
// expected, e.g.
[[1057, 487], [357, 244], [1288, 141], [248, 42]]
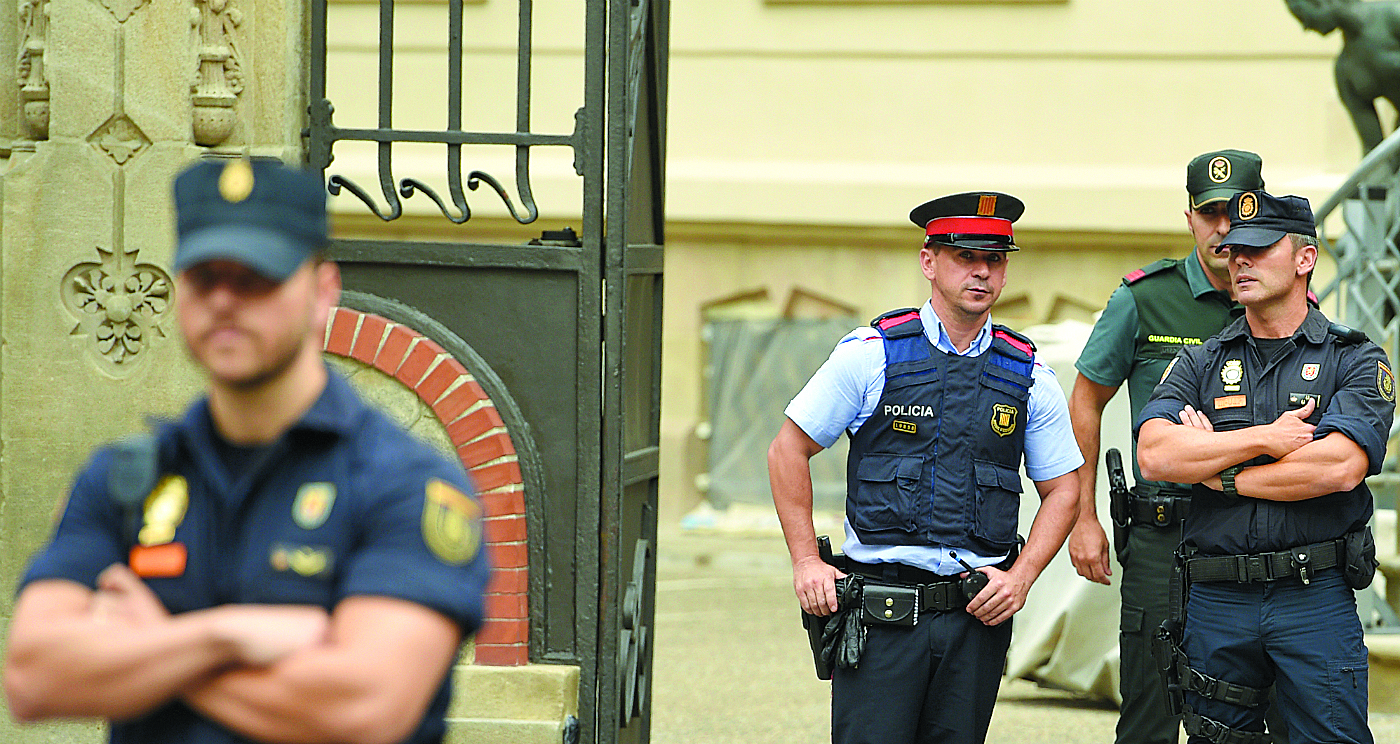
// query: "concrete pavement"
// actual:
[[732, 665]]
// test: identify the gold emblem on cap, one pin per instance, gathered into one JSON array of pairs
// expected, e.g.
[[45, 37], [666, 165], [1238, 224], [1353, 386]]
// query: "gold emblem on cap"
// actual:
[[986, 205], [236, 181], [1249, 205], [1219, 169]]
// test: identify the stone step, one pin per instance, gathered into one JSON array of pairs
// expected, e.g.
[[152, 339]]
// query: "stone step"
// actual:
[[535, 693], [503, 731]]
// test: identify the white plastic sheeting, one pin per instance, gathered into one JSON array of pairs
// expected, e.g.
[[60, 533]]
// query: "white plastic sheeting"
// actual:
[[1067, 634]]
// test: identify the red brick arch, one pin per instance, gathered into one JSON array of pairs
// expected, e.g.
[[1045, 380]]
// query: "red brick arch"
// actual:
[[484, 445]]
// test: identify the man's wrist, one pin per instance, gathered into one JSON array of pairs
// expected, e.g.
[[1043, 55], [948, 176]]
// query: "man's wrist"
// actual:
[[1227, 481]]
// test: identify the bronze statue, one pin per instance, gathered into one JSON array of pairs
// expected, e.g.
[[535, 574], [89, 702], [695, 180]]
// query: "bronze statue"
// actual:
[[1368, 67]]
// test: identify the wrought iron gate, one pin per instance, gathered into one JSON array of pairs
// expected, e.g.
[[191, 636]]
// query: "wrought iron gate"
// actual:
[[569, 324]]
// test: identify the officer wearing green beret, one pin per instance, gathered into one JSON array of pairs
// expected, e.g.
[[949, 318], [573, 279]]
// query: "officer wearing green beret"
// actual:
[[1153, 313]]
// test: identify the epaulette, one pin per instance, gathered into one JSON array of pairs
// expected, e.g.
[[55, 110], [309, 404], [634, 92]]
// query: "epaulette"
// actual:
[[1148, 270], [1347, 334], [899, 323]]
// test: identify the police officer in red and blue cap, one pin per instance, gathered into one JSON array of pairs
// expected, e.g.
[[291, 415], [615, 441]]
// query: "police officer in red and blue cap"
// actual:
[[942, 407], [1278, 419], [281, 564]]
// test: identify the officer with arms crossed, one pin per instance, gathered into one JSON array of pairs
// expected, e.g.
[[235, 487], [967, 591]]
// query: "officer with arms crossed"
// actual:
[[1156, 310], [1279, 419], [940, 405], [282, 564]]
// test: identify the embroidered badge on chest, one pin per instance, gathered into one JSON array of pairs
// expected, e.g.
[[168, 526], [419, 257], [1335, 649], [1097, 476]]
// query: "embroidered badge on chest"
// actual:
[[164, 510], [905, 427], [1003, 419], [1311, 371], [313, 505], [1232, 374], [157, 555]]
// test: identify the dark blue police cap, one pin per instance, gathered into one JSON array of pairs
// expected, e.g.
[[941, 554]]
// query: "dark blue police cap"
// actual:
[[1260, 219], [259, 212], [976, 219]]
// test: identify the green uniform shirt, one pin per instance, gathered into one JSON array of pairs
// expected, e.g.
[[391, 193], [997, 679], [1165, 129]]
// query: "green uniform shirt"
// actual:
[[1158, 309]]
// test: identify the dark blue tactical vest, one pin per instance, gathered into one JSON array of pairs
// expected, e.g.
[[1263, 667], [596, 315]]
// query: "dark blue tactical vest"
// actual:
[[938, 462]]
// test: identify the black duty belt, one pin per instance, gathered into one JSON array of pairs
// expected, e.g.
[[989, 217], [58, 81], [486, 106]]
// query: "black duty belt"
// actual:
[[897, 574], [1158, 508], [1301, 562]]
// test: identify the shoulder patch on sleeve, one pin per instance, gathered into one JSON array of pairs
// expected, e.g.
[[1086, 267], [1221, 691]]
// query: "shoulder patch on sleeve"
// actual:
[[451, 523]]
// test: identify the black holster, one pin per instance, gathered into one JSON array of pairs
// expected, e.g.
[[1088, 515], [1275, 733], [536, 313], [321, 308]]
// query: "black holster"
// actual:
[[1168, 637], [838, 639], [1119, 501]]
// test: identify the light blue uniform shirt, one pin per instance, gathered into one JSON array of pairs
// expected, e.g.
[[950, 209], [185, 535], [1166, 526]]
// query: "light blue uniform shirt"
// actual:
[[843, 393]]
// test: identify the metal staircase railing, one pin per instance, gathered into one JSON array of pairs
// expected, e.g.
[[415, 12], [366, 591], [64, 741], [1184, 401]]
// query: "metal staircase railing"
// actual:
[[1365, 294]]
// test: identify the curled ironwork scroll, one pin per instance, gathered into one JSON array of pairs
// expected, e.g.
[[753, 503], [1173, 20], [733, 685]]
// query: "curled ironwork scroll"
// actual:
[[323, 134]]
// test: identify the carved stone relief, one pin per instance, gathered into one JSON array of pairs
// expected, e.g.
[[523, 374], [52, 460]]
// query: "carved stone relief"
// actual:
[[123, 9], [120, 139], [33, 85], [219, 77], [120, 306]]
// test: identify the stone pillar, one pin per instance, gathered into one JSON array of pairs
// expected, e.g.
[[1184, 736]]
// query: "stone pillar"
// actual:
[[107, 101]]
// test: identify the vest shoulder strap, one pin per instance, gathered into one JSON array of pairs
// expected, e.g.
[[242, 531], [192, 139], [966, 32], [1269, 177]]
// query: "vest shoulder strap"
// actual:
[[1021, 346], [899, 323], [1012, 351], [1156, 267]]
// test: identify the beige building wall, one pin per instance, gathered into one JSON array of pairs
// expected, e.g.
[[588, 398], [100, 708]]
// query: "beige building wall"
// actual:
[[801, 133]]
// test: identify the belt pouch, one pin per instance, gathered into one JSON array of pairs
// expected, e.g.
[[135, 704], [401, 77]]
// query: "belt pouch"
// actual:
[[890, 605], [1359, 562]]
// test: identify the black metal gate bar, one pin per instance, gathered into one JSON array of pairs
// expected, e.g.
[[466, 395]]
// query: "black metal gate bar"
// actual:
[[600, 530], [322, 134]]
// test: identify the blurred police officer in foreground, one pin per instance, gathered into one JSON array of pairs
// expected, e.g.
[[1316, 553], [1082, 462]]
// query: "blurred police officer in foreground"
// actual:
[[1278, 419], [940, 405], [1157, 309], [282, 564]]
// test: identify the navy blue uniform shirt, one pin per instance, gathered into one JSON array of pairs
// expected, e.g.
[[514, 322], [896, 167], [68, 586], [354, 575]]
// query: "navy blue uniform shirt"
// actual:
[[1229, 380], [345, 503]]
